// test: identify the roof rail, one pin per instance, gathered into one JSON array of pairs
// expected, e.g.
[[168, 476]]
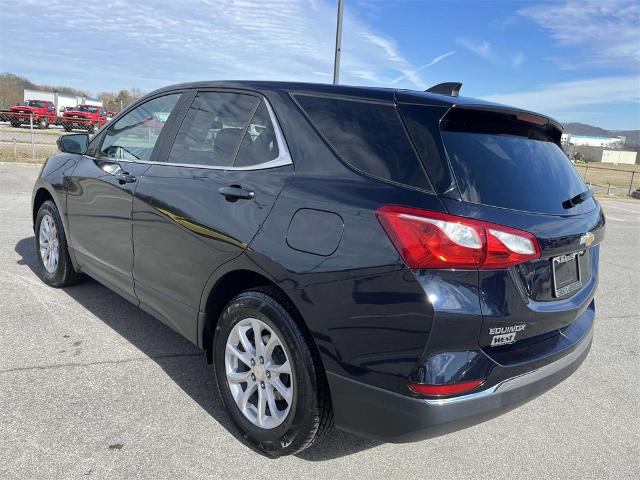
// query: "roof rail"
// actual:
[[448, 88]]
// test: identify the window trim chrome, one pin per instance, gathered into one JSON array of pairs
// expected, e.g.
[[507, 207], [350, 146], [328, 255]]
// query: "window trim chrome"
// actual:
[[283, 158]]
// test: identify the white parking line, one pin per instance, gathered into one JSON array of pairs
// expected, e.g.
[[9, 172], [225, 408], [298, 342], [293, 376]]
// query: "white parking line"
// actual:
[[609, 217], [608, 205]]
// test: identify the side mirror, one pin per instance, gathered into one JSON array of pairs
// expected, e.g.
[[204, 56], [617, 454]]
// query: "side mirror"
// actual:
[[73, 143]]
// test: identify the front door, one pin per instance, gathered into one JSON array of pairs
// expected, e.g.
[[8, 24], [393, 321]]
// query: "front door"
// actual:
[[203, 206], [100, 194]]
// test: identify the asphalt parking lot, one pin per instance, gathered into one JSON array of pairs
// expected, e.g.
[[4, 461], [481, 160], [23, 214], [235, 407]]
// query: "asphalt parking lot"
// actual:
[[92, 387]]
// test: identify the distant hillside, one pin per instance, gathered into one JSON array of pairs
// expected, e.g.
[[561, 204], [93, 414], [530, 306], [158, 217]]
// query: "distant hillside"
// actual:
[[633, 136], [12, 86], [584, 129]]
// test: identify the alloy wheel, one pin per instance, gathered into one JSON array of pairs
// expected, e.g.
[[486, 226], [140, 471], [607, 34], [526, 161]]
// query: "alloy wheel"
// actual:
[[259, 373], [49, 244]]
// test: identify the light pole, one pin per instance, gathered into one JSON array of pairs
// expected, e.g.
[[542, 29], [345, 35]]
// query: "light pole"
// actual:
[[336, 62]]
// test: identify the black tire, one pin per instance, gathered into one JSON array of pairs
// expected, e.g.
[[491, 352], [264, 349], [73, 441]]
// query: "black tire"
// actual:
[[15, 124], [67, 128], [310, 415], [91, 128], [43, 124], [64, 274]]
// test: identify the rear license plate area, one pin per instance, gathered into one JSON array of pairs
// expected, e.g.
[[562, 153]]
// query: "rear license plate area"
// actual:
[[566, 274]]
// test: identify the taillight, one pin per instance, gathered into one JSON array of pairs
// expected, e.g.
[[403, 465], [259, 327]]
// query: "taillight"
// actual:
[[451, 389], [427, 239]]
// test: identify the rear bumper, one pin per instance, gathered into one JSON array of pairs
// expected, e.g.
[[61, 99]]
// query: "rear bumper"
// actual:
[[376, 413]]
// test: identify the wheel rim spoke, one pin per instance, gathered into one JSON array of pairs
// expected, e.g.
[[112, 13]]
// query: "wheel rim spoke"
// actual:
[[244, 399], [239, 377], [271, 344], [284, 368], [242, 356], [271, 401], [262, 407], [282, 389], [257, 335], [246, 343]]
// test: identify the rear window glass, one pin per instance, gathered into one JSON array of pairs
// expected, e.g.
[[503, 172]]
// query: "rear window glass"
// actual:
[[515, 167], [368, 136]]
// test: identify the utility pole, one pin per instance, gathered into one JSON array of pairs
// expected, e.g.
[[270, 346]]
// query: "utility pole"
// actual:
[[336, 63]]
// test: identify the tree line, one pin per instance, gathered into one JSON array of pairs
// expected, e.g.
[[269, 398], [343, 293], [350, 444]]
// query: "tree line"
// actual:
[[12, 87]]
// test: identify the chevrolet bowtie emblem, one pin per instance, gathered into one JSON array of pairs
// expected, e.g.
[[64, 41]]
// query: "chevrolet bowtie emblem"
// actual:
[[587, 239]]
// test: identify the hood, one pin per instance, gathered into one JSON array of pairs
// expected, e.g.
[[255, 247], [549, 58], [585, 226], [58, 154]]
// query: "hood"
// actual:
[[20, 108], [78, 113]]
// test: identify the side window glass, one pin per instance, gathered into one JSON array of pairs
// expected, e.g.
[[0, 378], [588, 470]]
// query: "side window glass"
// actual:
[[212, 129], [133, 136], [259, 144], [368, 136]]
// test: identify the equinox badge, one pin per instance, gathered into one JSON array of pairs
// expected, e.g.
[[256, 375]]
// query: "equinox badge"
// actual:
[[505, 335]]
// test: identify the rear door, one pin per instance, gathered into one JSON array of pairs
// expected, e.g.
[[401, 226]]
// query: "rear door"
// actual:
[[100, 194], [204, 203], [508, 169]]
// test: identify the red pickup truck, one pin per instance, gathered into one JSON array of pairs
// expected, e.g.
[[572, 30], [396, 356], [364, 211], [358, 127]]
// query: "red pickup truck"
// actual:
[[87, 117], [43, 112]]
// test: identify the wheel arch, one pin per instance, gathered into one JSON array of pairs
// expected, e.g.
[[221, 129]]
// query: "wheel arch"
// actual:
[[228, 285], [41, 196]]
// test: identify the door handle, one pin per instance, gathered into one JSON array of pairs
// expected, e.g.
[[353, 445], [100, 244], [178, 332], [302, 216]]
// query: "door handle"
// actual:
[[234, 193], [124, 177]]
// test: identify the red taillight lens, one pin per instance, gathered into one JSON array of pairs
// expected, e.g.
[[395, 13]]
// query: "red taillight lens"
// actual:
[[427, 239], [451, 389]]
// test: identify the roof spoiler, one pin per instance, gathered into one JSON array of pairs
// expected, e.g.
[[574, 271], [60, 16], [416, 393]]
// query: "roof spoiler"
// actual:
[[448, 88]]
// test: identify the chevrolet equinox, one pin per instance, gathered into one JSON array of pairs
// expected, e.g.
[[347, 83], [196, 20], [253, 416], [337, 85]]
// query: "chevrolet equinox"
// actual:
[[400, 264]]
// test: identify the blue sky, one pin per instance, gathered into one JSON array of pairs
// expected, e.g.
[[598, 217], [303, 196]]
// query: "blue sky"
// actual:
[[574, 60]]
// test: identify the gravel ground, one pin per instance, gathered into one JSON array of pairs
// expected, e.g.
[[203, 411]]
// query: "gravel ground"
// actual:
[[92, 387]]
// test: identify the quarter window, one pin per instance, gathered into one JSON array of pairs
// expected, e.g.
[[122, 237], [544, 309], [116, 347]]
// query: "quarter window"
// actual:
[[259, 144], [369, 136], [134, 136]]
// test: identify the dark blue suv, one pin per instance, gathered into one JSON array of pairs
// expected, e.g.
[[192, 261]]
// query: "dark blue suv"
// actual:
[[399, 263]]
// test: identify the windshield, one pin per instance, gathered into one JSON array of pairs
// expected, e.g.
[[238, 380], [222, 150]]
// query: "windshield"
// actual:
[[88, 108], [36, 103]]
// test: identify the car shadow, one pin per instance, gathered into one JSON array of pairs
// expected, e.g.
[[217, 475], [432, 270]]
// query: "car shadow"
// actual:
[[184, 362]]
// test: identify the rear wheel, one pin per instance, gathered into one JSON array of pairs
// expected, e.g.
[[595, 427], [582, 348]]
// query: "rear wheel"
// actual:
[[55, 264], [269, 376]]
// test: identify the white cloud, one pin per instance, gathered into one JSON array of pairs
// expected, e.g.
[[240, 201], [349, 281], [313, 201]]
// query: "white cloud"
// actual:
[[479, 47], [118, 44], [610, 30], [438, 59], [517, 59], [560, 98]]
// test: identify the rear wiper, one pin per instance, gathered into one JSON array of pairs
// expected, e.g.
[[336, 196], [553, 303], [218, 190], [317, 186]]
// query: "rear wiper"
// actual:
[[581, 197]]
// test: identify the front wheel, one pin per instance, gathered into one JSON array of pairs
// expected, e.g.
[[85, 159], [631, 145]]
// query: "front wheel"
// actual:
[[43, 123], [269, 375], [56, 268]]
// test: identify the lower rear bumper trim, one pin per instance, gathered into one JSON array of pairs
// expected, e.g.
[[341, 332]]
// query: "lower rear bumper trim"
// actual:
[[524, 379], [392, 417]]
